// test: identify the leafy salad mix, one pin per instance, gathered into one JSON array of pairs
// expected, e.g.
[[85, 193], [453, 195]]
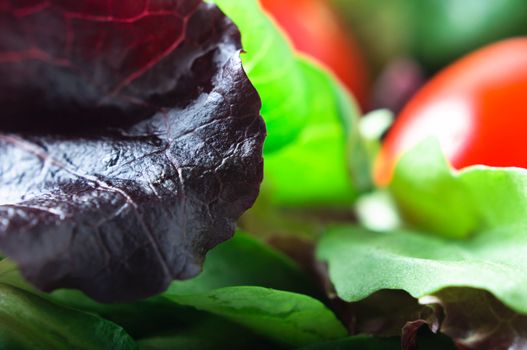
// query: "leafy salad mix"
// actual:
[[132, 142]]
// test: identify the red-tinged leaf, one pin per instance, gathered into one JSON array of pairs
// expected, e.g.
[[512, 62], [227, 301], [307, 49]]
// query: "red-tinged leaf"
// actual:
[[130, 141], [475, 319], [472, 318], [99, 60]]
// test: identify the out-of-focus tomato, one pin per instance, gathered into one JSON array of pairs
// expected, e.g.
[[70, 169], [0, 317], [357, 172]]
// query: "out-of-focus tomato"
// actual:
[[316, 30], [477, 109]]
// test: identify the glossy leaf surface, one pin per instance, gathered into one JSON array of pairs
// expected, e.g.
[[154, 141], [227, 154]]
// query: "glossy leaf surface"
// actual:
[[120, 208]]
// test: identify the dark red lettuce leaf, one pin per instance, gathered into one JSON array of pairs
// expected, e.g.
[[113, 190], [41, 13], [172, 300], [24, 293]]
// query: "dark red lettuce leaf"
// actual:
[[475, 319], [472, 318], [130, 141], [389, 313]]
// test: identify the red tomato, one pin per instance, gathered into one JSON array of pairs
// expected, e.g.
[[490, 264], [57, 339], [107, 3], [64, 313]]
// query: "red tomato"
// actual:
[[477, 108], [316, 30]]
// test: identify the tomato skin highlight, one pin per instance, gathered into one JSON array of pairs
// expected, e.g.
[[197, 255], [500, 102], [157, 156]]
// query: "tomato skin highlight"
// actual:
[[477, 109], [315, 29]]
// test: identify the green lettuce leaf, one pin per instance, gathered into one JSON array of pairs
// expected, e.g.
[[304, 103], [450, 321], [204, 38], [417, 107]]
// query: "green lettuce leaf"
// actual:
[[311, 119], [362, 262], [288, 318], [236, 284], [433, 197], [484, 206], [31, 322], [323, 169], [245, 261], [313, 170]]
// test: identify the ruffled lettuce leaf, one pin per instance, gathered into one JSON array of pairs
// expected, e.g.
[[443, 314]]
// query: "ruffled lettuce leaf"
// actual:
[[324, 163], [314, 170], [482, 204], [131, 142], [433, 197]]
